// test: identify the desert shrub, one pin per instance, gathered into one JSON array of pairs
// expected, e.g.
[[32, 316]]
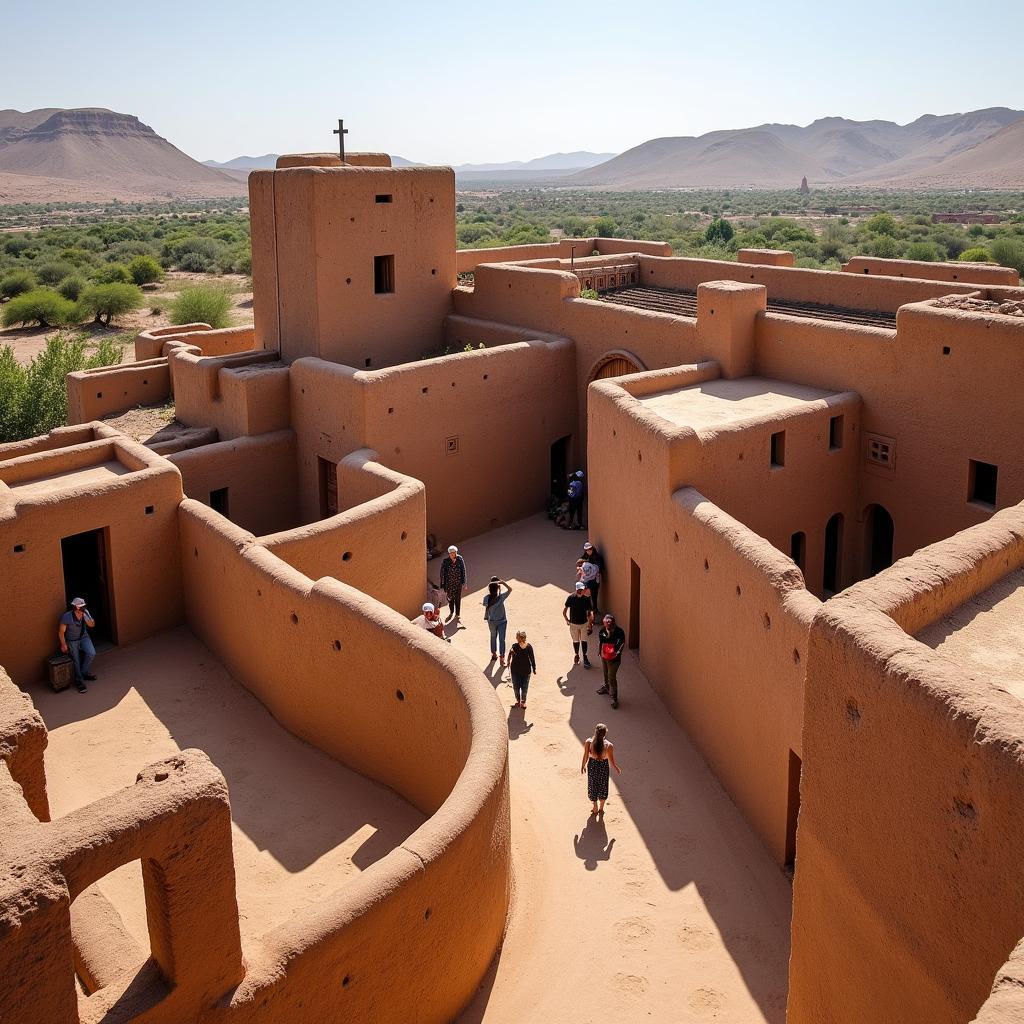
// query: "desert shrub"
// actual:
[[105, 301], [978, 254], [72, 287], [881, 224], [145, 270], [1009, 252], [17, 282], [194, 263], [202, 303], [53, 273], [886, 247], [113, 273], [40, 306], [718, 231], [926, 251], [589, 293], [36, 397]]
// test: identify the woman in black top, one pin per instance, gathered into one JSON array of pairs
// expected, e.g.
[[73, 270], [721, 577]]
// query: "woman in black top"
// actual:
[[611, 639], [521, 663]]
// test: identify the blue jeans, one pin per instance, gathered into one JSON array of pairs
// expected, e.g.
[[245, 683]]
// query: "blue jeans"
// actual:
[[498, 633], [82, 652], [520, 684]]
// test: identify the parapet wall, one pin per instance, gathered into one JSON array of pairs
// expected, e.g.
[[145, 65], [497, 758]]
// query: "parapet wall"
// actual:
[[108, 390], [971, 273], [467, 260]]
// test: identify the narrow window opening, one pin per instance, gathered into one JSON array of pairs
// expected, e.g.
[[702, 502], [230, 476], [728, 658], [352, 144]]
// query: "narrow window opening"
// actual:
[[792, 812], [634, 605], [779, 449], [835, 432], [219, 501], [383, 274], [383, 198], [833, 554], [982, 483], [798, 548]]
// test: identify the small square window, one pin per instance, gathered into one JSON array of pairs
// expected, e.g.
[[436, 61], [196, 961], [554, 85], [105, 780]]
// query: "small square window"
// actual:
[[150, 509], [779, 449], [383, 274], [383, 198], [880, 451], [835, 432], [19, 549], [982, 480]]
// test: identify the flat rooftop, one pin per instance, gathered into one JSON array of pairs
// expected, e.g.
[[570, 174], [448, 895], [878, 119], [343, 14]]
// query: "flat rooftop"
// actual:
[[301, 822], [73, 479], [714, 404], [985, 636]]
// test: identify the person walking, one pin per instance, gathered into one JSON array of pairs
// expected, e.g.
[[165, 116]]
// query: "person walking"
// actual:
[[495, 617], [521, 664], [73, 634], [578, 613], [575, 495], [453, 580], [590, 577], [591, 554], [598, 754], [611, 640]]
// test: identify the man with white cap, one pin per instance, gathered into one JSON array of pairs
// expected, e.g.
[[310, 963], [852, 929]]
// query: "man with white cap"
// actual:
[[430, 620], [578, 613], [593, 577], [453, 580], [73, 634]]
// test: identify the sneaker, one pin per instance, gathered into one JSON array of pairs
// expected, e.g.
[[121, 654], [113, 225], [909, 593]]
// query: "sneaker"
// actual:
[[604, 689], [586, 663], [82, 688], [89, 676], [615, 703]]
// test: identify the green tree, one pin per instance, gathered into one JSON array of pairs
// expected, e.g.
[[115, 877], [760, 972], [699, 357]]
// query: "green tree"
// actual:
[[882, 224], [1009, 252], [105, 301], [145, 270], [719, 230], [41, 306]]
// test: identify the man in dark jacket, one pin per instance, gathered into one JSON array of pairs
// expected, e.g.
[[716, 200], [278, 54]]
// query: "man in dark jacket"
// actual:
[[611, 639], [453, 580]]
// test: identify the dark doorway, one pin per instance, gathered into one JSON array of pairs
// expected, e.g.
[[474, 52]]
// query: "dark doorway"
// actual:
[[798, 549], [87, 575], [560, 465], [328, 488], [219, 501], [634, 605], [878, 540], [833, 554], [792, 812]]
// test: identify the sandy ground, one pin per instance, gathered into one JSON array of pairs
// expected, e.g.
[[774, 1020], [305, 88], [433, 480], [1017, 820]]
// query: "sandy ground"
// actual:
[[145, 422], [302, 823], [669, 909], [28, 342]]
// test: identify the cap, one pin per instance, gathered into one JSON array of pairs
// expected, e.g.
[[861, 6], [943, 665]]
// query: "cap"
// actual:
[[579, 472], [588, 546], [608, 617], [580, 585], [451, 548], [78, 602], [428, 607]]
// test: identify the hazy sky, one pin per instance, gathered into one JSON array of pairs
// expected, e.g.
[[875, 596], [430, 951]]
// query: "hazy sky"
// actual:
[[452, 83]]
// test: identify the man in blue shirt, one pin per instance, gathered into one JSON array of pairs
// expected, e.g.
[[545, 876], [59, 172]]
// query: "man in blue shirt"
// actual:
[[73, 634]]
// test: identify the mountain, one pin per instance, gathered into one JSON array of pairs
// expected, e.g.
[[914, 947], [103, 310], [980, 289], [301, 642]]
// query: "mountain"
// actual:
[[552, 162], [829, 150], [54, 155], [247, 163]]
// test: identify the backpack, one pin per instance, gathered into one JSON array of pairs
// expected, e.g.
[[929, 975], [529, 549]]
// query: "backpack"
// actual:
[[575, 489]]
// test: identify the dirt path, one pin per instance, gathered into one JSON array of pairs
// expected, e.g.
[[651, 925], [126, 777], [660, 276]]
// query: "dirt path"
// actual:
[[670, 909]]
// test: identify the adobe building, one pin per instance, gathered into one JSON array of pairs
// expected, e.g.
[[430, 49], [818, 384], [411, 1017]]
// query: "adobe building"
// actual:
[[808, 489]]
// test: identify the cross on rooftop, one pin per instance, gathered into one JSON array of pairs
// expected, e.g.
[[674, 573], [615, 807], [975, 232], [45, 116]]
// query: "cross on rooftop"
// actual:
[[341, 131]]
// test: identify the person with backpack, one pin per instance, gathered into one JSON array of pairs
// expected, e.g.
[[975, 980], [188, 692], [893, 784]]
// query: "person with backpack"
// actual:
[[575, 495], [611, 639]]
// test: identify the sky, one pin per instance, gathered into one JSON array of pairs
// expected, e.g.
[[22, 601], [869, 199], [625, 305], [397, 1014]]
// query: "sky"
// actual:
[[473, 82]]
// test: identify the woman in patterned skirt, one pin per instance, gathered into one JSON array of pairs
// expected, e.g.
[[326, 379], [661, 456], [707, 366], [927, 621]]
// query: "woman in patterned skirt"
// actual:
[[598, 754]]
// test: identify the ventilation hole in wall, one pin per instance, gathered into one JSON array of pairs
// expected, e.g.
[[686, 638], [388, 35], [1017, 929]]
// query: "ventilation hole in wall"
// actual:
[[149, 510], [707, 565], [639, 455], [367, 361], [303, 390], [946, 350], [767, 620], [399, 695], [676, 537], [739, 590], [259, 593], [295, 619], [345, 981], [712, 312], [19, 548], [144, 381], [336, 644], [426, 914], [510, 286], [404, 535], [796, 656], [195, 551], [852, 711], [614, 434], [423, 391], [739, 458], [347, 556], [352, 220], [348, 280], [485, 376], [433, 271], [751, 277], [391, 410], [99, 394]]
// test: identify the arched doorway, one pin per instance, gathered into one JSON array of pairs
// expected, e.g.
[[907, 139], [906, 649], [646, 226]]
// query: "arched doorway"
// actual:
[[833, 554], [878, 537], [615, 364]]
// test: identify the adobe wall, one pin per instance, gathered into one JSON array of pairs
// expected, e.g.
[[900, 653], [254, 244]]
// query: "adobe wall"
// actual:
[[913, 393], [467, 260], [503, 407], [259, 473], [150, 344], [766, 257], [362, 684], [141, 545], [1006, 1003], [899, 741], [376, 545], [107, 390], [795, 284], [316, 232], [724, 617], [972, 273]]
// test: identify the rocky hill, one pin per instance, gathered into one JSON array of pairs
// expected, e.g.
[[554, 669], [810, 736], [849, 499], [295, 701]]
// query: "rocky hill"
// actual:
[[832, 150], [54, 155]]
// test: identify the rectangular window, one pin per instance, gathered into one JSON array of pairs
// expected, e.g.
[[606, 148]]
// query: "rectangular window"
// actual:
[[982, 483], [779, 449], [835, 433], [383, 274], [880, 451], [219, 501], [798, 548], [387, 198]]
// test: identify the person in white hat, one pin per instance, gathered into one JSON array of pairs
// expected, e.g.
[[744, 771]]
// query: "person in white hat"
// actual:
[[453, 580], [430, 620], [73, 634], [590, 569], [578, 613]]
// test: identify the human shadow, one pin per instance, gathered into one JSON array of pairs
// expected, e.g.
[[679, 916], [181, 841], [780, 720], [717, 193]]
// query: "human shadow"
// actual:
[[592, 844], [517, 724]]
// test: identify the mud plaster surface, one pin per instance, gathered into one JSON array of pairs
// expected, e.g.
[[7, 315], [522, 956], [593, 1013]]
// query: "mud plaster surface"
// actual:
[[984, 635], [302, 823], [669, 909]]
